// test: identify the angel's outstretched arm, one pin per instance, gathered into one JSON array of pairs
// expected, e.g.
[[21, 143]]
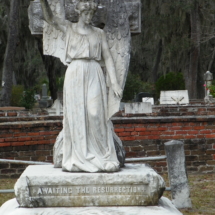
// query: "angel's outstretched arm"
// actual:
[[56, 22], [109, 63]]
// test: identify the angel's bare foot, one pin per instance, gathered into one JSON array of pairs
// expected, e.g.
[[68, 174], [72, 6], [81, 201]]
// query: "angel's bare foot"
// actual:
[[111, 167]]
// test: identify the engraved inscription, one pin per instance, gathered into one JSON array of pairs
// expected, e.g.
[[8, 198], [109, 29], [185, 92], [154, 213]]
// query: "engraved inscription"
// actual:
[[88, 190]]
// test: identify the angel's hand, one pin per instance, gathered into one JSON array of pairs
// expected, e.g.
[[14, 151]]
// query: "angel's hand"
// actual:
[[117, 90], [47, 12], [56, 22]]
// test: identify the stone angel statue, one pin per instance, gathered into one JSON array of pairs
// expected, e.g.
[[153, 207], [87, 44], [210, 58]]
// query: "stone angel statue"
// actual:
[[88, 142]]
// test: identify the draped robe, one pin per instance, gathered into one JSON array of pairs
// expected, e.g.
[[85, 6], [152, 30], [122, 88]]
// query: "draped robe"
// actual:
[[87, 137]]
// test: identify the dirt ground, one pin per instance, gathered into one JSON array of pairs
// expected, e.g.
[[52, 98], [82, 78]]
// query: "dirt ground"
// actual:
[[202, 189]]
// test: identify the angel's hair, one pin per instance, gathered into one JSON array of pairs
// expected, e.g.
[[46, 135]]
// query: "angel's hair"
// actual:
[[85, 5]]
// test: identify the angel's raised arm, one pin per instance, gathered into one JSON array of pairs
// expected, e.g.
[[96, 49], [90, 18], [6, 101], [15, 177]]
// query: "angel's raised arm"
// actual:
[[56, 22]]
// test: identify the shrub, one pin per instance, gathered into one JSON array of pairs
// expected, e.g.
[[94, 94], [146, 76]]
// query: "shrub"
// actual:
[[27, 99], [60, 82], [16, 96], [212, 90], [135, 85], [171, 81]]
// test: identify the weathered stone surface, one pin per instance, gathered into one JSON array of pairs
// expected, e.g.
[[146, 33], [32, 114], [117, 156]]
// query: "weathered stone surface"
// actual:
[[165, 207], [177, 174], [56, 109], [58, 149], [138, 107], [208, 76], [133, 9], [88, 143], [174, 97], [45, 186], [148, 99]]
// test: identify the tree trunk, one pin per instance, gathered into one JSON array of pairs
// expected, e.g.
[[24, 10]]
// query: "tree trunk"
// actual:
[[191, 80], [8, 66], [49, 63], [212, 60], [157, 61]]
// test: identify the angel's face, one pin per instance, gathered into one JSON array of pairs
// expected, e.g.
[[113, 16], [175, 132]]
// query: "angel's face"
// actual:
[[87, 16]]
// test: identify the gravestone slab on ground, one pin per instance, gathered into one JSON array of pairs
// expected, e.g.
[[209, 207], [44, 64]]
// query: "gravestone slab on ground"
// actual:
[[164, 207], [138, 108], [46, 186], [174, 97]]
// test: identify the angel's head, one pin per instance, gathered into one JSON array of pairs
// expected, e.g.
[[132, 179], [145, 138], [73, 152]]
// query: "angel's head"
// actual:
[[85, 5], [86, 9]]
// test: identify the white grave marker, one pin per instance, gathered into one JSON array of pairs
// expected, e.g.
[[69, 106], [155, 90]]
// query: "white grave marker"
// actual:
[[56, 108], [174, 97], [148, 99], [138, 108]]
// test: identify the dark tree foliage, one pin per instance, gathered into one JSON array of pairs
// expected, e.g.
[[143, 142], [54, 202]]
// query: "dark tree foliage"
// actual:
[[8, 65], [4, 14], [177, 36], [31, 67], [171, 81], [52, 66]]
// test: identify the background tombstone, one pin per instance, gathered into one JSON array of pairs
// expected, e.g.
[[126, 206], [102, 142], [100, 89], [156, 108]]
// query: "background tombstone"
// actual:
[[175, 97], [44, 92], [177, 174], [138, 108], [45, 100], [208, 78], [142, 95], [56, 108], [148, 99]]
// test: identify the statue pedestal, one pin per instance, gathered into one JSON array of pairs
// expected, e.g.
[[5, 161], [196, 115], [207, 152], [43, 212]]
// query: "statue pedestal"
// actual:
[[45, 186], [165, 207], [45, 190]]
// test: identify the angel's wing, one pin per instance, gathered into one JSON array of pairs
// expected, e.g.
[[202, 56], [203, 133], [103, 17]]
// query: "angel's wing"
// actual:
[[53, 39], [118, 35]]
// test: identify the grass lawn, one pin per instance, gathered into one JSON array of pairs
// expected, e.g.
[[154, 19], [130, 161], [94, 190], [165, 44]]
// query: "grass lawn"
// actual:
[[202, 189], [4, 185], [202, 193]]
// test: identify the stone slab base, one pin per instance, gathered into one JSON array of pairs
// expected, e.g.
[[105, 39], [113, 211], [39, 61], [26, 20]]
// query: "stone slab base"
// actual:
[[165, 207], [45, 186]]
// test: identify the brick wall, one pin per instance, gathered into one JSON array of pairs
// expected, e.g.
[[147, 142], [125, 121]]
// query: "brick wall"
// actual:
[[145, 136], [20, 112], [32, 138], [27, 140], [42, 153]]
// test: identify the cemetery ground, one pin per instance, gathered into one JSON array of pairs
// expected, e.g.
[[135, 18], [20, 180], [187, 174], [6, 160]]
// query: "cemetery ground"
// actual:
[[201, 188]]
